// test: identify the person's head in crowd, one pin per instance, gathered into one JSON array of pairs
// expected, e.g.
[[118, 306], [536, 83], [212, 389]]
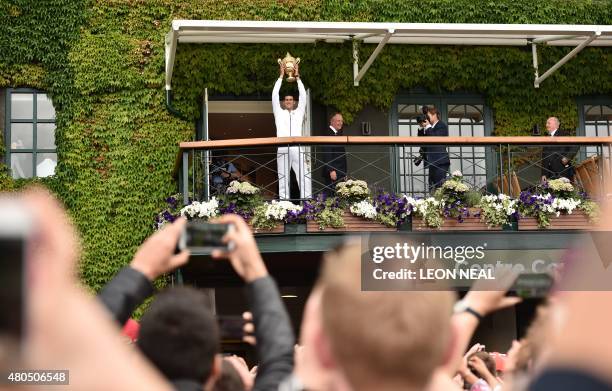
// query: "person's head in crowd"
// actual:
[[230, 379], [336, 121], [380, 340], [289, 102], [433, 115], [179, 335], [552, 124], [247, 376], [488, 361]]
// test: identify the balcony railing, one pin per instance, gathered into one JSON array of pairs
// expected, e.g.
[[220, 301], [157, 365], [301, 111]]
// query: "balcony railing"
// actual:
[[492, 164]]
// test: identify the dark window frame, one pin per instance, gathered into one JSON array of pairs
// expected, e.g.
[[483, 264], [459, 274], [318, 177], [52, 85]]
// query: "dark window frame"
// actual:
[[442, 101], [8, 121]]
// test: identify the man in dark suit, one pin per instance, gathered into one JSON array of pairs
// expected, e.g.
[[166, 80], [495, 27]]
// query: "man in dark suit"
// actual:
[[333, 156], [436, 156], [556, 158]]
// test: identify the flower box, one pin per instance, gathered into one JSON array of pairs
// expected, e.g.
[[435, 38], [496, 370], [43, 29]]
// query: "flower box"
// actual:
[[351, 224], [278, 229], [470, 223], [578, 220]]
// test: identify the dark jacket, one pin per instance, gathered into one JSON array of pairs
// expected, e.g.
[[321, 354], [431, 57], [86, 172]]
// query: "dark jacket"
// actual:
[[125, 292], [333, 158], [436, 154], [552, 167], [275, 340]]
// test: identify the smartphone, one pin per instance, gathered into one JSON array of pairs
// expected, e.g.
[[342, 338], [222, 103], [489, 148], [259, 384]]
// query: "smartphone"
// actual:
[[533, 285], [201, 236], [15, 229], [231, 327]]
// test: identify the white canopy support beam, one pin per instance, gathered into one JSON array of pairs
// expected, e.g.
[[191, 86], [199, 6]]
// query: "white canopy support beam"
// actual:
[[568, 56], [171, 42], [357, 76], [550, 38]]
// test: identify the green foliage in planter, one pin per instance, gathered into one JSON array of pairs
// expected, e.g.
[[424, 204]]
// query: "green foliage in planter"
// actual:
[[591, 209], [472, 198], [330, 215], [102, 63], [260, 221], [387, 219]]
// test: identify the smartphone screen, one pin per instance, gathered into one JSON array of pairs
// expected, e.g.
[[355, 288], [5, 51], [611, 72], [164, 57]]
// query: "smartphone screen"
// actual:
[[231, 327], [204, 236]]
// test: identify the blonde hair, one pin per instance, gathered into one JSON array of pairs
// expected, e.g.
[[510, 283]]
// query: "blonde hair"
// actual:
[[400, 337]]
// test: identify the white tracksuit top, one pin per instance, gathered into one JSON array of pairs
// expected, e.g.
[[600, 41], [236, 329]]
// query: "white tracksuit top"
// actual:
[[288, 123]]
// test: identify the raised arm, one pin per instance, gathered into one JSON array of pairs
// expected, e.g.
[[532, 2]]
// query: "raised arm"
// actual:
[[133, 284], [303, 97], [273, 331], [276, 90]]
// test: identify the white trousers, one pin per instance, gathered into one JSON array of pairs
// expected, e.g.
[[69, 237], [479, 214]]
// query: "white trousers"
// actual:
[[288, 158]]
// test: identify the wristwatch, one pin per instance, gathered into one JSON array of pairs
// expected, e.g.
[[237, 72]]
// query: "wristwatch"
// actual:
[[463, 306]]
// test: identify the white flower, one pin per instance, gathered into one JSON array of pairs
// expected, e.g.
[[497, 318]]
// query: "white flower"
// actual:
[[277, 210], [564, 204], [203, 210], [237, 187], [457, 173], [561, 184], [363, 209]]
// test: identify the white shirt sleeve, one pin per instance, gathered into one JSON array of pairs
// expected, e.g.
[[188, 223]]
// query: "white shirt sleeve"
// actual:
[[275, 98], [303, 97]]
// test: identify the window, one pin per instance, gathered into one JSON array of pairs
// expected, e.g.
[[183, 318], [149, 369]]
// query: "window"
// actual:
[[465, 116], [596, 120], [30, 133]]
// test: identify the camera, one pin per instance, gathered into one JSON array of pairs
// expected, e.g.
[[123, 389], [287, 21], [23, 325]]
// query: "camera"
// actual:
[[421, 118], [202, 236]]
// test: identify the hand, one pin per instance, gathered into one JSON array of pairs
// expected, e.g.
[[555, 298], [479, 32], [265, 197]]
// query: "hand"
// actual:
[[248, 378], [248, 329], [478, 365], [281, 70], [481, 368], [487, 296], [297, 70], [333, 175], [477, 347], [245, 257], [464, 370], [543, 179], [156, 255], [512, 356]]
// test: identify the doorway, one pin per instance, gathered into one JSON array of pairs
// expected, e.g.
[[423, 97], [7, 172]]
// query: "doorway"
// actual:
[[245, 120]]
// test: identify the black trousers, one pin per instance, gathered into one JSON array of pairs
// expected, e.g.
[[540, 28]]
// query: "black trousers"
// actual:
[[437, 176]]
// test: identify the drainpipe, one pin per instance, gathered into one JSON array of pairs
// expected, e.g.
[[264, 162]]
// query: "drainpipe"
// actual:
[[172, 109]]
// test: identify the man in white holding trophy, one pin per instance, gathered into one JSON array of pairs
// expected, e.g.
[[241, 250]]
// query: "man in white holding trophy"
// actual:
[[289, 119]]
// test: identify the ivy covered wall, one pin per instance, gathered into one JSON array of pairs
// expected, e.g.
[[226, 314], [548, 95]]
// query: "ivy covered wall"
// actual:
[[102, 62]]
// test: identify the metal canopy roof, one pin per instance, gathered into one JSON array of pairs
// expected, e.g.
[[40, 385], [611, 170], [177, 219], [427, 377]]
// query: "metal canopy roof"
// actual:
[[221, 31]]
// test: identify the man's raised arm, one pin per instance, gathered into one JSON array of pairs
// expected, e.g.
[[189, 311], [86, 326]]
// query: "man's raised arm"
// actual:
[[276, 91]]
